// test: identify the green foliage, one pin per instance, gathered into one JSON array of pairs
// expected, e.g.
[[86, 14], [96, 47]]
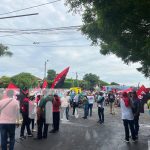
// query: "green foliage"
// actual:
[[51, 74], [114, 83], [103, 83], [4, 81], [91, 79], [119, 27], [25, 80], [67, 85], [4, 51]]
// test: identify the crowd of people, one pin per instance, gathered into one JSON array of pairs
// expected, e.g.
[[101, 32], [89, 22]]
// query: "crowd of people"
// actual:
[[49, 108]]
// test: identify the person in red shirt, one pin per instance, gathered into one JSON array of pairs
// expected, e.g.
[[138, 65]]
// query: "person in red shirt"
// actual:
[[25, 116], [56, 113]]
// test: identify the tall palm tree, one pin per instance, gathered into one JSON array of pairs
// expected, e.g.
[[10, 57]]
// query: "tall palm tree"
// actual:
[[4, 51]]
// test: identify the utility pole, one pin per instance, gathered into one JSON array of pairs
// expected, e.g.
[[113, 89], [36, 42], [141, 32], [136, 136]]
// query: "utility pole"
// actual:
[[45, 69]]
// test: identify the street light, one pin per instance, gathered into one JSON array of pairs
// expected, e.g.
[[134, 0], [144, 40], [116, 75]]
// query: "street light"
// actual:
[[45, 68]]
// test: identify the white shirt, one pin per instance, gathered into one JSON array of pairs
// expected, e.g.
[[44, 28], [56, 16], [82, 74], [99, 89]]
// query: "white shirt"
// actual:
[[10, 114], [65, 101], [90, 99], [76, 99], [32, 109], [126, 111]]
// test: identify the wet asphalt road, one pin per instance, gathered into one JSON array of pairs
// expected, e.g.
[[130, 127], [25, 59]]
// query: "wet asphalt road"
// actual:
[[80, 134]]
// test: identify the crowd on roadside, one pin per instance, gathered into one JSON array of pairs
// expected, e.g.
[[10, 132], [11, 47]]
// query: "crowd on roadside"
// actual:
[[49, 108]]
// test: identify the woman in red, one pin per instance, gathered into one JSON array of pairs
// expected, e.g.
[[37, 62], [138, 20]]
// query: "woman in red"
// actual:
[[56, 113]]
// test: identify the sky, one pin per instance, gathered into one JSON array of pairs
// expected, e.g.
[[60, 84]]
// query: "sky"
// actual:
[[61, 49]]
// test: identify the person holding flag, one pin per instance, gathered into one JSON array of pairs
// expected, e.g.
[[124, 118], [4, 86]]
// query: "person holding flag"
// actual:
[[135, 102], [127, 117]]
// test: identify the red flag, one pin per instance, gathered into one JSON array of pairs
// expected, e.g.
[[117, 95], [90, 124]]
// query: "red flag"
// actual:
[[12, 86], [45, 84], [60, 77], [141, 91]]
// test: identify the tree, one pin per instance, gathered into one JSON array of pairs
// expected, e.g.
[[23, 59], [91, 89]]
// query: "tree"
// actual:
[[103, 83], [25, 80], [4, 51], [114, 83], [51, 74], [4, 81], [119, 27], [92, 79]]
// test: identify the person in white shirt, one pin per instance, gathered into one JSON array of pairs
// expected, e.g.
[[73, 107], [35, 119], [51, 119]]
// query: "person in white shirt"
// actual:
[[75, 104], [127, 117], [32, 111], [9, 117], [91, 102], [65, 100]]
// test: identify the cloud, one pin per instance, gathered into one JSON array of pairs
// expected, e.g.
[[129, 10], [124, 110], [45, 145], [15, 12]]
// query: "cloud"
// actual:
[[85, 59]]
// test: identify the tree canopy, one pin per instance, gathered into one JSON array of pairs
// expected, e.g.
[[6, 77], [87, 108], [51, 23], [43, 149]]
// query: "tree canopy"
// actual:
[[25, 80], [119, 27], [51, 74], [114, 83], [4, 51], [4, 81], [92, 79]]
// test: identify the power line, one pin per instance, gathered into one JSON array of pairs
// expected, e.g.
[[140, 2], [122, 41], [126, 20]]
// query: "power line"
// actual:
[[38, 33], [15, 45], [57, 30], [63, 40], [19, 16], [42, 29], [30, 7]]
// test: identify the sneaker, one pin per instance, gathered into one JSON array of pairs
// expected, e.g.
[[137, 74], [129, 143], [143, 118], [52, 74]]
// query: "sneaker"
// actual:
[[33, 130], [134, 140], [127, 141], [84, 117], [22, 137]]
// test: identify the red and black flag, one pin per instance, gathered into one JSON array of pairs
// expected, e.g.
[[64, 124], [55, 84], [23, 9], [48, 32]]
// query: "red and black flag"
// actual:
[[59, 80]]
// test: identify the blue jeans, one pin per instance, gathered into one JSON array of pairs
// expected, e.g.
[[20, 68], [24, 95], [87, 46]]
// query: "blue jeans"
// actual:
[[8, 130], [129, 124], [90, 106]]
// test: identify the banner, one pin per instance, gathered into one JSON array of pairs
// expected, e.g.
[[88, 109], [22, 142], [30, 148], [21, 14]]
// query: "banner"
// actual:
[[141, 91]]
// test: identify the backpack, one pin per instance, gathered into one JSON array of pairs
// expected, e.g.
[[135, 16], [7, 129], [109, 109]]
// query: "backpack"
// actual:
[[100, 99]]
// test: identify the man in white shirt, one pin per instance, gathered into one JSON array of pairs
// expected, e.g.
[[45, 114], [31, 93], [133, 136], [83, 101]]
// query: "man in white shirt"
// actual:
[[91, 100], [9, 116]]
